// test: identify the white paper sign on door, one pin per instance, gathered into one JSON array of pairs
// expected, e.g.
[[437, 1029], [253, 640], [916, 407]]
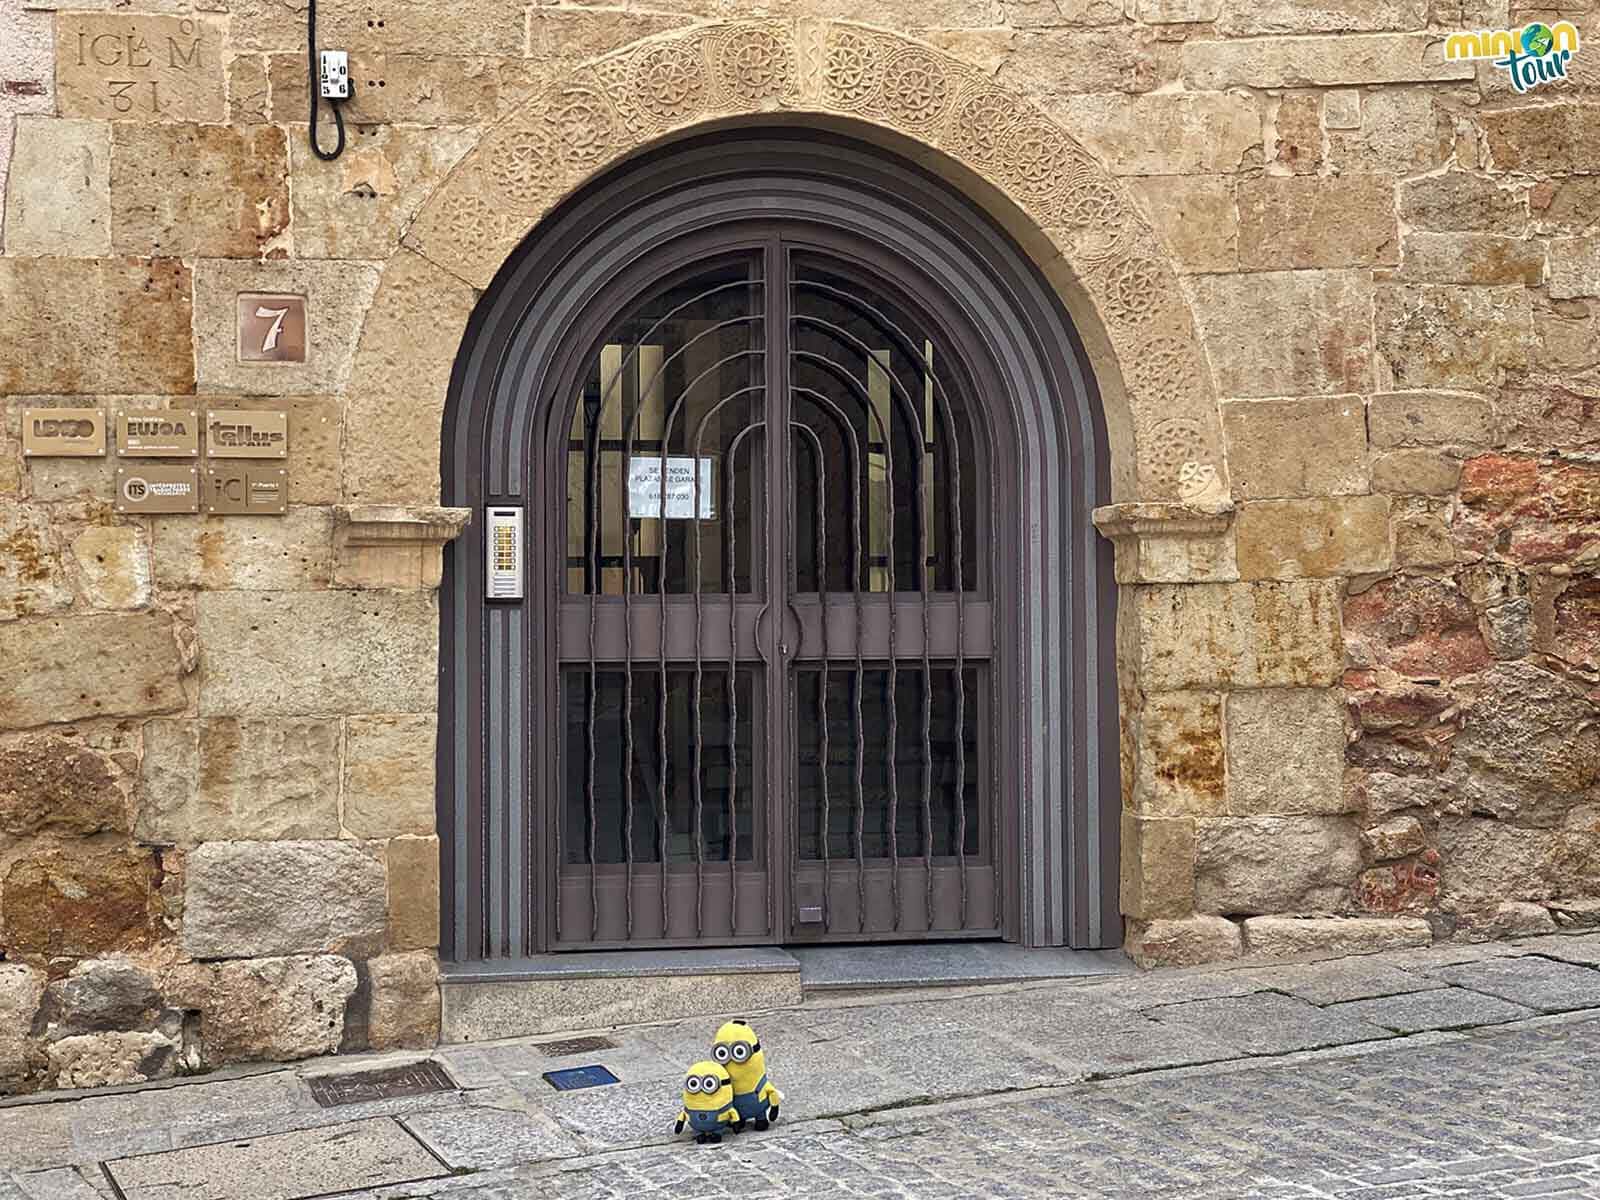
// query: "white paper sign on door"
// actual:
[[644, 488]]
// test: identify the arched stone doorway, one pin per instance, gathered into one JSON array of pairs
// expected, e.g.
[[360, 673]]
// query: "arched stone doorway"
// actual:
[[836, 316]]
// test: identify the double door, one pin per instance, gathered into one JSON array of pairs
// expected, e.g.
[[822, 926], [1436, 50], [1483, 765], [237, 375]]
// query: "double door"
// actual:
[[775, 648]]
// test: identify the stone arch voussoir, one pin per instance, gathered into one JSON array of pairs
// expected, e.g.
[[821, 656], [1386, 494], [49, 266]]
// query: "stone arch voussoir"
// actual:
[[584, 120]]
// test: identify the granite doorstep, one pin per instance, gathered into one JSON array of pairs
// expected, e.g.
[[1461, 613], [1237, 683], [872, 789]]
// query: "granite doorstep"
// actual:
[[1444, 1008]]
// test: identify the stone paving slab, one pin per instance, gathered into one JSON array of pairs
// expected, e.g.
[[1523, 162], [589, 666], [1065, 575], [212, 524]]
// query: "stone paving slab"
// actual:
[[282, 1166], [1532, 981], [1446, 1008], [478, 1138], [62, 1183], [1583, 949], [1268, 1023], [1334, 982]]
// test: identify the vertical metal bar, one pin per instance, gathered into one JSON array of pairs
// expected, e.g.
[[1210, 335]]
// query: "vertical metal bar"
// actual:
[[733, 700], [887, 429], [822, 684], [594, 579], [927, 664], [661, 655], [516, 832], [628, 419]]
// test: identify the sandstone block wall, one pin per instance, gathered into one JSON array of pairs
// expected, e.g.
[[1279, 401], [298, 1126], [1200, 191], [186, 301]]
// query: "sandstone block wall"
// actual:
[[1361, 690]]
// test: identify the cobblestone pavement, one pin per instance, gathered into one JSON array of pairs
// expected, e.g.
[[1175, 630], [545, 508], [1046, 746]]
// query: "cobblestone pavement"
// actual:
[[1460, 1071]]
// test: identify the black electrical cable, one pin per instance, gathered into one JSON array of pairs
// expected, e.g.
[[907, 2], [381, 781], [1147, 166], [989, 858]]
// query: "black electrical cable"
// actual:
[[338, 117]]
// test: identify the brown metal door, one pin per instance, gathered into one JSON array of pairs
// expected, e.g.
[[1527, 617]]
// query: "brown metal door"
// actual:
[[774, 629]]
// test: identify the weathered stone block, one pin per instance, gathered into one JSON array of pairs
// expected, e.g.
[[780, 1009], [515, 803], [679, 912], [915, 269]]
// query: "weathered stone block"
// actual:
[[1475, 258], [257, 658], [1249, 17], [1298, 539], [1178, 754], [1320, 61], [250, 899], [278, 1009], [199, 190], [1533, 728], [256, 779], [1422, 472], [102, 994], [393, 415], [1574, 268], [1164, 134], [102, 325], [1279, 937], [1183, 943], [1286, 752], [316, 428], [1297, 141], [1197, 218], [356, 208], [57, 784], [1400, 837], [337, 295], [1403, 131], [388, 780], [1544, 138], [1421, 534], [1287, 333], [1430, 419], [1275, 864], [249, 95], [1486, 862], [1432, 336], [1252, 635], [431, 90], [294, 551], [1106, 61], [1417, 626], [138, 67], [405, 1001], [21, 988], [421, 26], [577, 34], [97, 665], [59, 199], [1157, 867], [1566, 206], [33, 577], [1463, 202], [101, 1059], [1308, 446], [113, 564], [413, 865], [80, 902], [1341, 109], [1301, 221]]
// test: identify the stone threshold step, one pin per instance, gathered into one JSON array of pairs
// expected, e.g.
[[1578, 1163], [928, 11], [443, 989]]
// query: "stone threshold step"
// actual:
[[558, 993]]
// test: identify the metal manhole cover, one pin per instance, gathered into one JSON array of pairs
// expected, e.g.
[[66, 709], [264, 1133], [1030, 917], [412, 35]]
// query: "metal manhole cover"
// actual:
[[418, 1079], [582, 1045], [573, 1078]]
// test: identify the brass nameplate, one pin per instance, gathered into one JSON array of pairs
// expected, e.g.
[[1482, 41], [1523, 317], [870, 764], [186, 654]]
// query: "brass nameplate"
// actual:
[[236, 433], [272, 329], [158, 488], [161, 433], [63, 433], [243, 490]]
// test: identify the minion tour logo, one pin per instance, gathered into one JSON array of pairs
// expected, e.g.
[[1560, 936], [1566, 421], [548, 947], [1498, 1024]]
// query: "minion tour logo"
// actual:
[[1536, 54]]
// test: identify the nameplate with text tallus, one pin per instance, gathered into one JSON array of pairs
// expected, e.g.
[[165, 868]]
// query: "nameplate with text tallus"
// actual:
[[238, 433]]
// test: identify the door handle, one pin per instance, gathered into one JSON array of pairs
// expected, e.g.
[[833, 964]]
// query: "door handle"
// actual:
[[761, 648], [799, 629]]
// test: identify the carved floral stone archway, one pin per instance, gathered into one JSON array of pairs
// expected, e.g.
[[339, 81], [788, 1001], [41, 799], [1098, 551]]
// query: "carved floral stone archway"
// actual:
[[1076, 220]]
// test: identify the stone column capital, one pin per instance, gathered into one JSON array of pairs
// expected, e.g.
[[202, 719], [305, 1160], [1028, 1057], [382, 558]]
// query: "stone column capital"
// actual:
[[1171, 543], [394, 545]]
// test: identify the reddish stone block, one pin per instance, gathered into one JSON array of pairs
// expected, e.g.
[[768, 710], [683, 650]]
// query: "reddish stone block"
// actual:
[[1494, 479], [1398, 887], [1420, 627], [80, 903], [1576, 630]]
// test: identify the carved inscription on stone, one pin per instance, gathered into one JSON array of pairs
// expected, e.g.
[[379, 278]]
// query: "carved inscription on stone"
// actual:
[[139, 68]]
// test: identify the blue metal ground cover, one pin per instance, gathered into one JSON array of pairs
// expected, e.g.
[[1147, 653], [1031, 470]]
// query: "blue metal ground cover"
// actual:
[[570, 1079]]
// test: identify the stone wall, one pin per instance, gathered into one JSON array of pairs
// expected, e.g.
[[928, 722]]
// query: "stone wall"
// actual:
[[1359, 681]]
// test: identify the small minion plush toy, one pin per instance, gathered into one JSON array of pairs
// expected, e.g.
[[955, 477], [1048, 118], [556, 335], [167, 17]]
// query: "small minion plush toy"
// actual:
[[739, 1050], [707, 1103]]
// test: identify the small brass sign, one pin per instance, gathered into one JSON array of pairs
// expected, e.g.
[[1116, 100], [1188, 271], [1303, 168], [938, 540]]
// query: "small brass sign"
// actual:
[[236, 490], [236, 433], [158, 488], [63, 433], [272, 329], [163, 433]]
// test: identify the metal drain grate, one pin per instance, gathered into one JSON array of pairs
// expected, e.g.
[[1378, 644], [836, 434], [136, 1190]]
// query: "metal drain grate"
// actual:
[[581, 1045], [418, 1079]]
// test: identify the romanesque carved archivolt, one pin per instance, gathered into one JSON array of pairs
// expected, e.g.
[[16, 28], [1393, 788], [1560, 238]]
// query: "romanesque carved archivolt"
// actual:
[[1172, 443], [851, 70], [520, 164], [471, 222], [1134, 290], [670, 81], [1095, 214], [982, 118], [916, 87], [583, 121], [1164, 370], [1034, 158], [754, 65]]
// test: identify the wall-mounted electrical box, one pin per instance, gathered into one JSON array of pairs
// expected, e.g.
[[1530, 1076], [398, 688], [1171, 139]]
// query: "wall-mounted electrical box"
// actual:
[[503, 576], [334, 76]]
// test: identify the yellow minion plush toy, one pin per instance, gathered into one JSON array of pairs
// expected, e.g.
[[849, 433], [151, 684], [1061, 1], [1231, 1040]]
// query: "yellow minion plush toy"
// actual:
[[707, 1103], [739, 1050]]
